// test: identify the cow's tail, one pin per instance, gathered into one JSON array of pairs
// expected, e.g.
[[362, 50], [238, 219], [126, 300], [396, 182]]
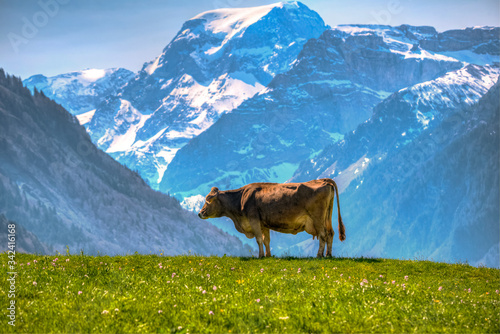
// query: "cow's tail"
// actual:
[[341, 224]]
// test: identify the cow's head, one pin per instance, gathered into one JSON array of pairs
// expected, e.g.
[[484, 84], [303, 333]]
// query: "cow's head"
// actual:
[[212, 207]]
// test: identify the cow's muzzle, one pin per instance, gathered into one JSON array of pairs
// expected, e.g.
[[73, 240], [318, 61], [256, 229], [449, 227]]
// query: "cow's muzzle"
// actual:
[[200, 215]]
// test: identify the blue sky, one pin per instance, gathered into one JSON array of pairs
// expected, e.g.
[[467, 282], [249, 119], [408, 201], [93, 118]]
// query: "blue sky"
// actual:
[[57, 36]]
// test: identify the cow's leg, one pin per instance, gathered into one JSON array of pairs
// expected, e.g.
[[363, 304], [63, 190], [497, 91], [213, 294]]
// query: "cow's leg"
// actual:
[[329, 242], [329, 229], [322, 241], [255, 224], [260, 240], [319, 226], [267, 240]]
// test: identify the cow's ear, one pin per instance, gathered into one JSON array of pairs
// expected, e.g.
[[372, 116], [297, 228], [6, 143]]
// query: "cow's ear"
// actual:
[[214, 193]]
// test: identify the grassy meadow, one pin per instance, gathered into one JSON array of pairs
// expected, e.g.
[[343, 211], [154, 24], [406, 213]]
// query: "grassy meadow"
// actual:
[[193, 294]]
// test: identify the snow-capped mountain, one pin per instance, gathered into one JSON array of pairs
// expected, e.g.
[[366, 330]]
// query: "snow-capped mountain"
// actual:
[[217, 60], [333, 86], [476, 45], [80, 92], [397, 121]]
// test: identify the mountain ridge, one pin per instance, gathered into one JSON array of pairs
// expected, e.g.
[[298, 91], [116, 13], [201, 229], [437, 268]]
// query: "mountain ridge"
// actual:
[[81, 91]]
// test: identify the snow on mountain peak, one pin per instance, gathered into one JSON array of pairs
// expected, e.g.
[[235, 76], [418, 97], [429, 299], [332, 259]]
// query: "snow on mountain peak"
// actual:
[[85, 77], [93, 74], [468, 45], [229, 23], [232, 20], [482, 27], [466, 85], [81, 91], [152, 66]]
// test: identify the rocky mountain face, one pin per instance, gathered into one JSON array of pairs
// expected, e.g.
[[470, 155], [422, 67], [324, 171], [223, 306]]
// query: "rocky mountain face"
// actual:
[[80, 92], [397, 121], [63, 191], [477, 40], [217, 60]]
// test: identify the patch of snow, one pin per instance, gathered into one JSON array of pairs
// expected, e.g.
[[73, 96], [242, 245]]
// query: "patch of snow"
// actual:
[[152, 66], [193, 203], [92, 75], [424, 54], [168, 154], [166, 84], [231, 22], [471, 57], [396, 41], [85, 117], [84, 81], [201, 119], [466, 85], [223, 94], [354, 30], [345, 177], [188, 133], [148, 142], [126, 114], [245, 77]]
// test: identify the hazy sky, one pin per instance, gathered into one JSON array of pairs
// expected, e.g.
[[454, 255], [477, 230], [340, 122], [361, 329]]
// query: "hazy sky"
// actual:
[[58, 36]]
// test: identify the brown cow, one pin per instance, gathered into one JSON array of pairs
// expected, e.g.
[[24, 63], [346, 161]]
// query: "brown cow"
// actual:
[[284, 207]]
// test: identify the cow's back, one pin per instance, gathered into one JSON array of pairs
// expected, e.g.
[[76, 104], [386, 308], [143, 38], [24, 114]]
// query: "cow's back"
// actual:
[[289, 207]]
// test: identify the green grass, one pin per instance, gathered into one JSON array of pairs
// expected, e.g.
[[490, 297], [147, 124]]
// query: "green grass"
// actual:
[[220, 295]]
